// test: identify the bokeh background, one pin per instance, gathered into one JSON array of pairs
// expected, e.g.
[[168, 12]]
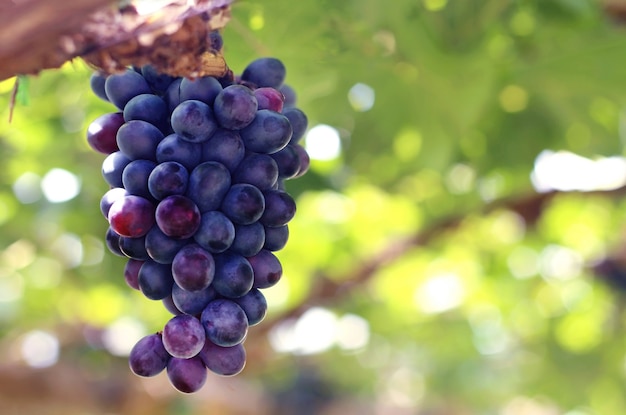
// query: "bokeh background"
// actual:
[[459, 246]]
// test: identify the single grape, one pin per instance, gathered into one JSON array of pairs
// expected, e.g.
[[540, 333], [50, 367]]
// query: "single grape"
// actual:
[[183, 336], [225, 322], [155, 280], [148, 357], [288, 161], [223, 361], [172, 94], [254, 305], [267, 269], [208, 184], [121, 88], [131, 273], [149, 108], [203, 89], [101, 133], [243, 204], [158, 82], [289, 94], [235, 107], [167, 179], [234, 276], [298, 121], [135, 177], [265, 72], [177, 216], [249, 239], [269, 99], [267, 133], [134, 248], [260, 170], [109, 198], [186, 375], [215, 233], [276, 237], [193, 121], [305, 161], [112, 241], [226, 147], [131, 216], [112, 168], [96, 82], [192, 302], [280, 208], [162, 248], [168, 303], [193, 268], [175, 148]]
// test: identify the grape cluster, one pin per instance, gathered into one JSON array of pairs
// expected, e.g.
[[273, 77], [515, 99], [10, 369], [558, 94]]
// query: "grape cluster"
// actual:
[[197, 205]]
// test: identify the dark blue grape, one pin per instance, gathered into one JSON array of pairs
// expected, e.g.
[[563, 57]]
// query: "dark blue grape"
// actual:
[[305, 161], [162, 248], [223, 361], [243, 204], [121, 88], [134, 248], [208, 184], [225, 323], [172, 94], [155, 280], [159, 82], [265, 72], [183, 336], [109, 198], [289, 94], [175, 148], [186, 375], [249, 239], [216, 232], [226, 147], [112, 241], [131, 273], [96, 82], [193, 121], [280, 208], [298, 121], [254, 305], [256, 169], [193, 268], [216, 42], [167, 179], [267, 133], [149, 108], [135, 177], [233, 275], [276, 237], [168, 303], [112, 168], [267, 269], [148, 357], [203, 89], [235, 107], [139, 139], [192, 302], [288, 161]]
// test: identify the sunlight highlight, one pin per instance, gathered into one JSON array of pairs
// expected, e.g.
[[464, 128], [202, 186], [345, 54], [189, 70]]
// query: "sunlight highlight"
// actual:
[[40, 349], [322, 142], [361, 97], [440, 293], [59, 185]]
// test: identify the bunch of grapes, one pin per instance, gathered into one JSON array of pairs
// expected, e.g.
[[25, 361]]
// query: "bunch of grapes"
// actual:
[[197, 205]]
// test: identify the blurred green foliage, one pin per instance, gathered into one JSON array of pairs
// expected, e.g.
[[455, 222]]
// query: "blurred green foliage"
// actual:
[[498, 309]]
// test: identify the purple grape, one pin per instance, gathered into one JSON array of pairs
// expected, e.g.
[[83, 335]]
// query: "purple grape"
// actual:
[[192, 302], [276, 237], [135, 177], [226, 147], [280, 208], [131, 216], [193, 120], [216, 232], [112, 241], [235, 107], [225, 322], [172, 94], [305, 161], [289, 94], [254, 305], [298, 121], [265, 72], [148, 357], [110, 197], [131, 273], [139, 139], [167, 179], [101, 133], [175, 148], [96, 82], [121, 88], [187, 375], [203, 89], [134, 248], [149, 108], [243, 204], [223, 361], [177, 216], [249, 239], [158, 82], [168, 303], [234, 276], [155, 280], [256, 169], [193, 268], [269, 99], [112, 168], [288, 161], [267, 133], [267, 269], [162, 248], [183, 336], [208, 184]]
